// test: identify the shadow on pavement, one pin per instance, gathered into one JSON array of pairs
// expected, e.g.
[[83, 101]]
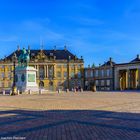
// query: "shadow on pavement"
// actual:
[[69, 124]]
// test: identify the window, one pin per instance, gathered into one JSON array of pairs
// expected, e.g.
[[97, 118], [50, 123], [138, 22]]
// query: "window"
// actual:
[[59, 83], [2, 84], [79, 74], [32, 54], [86, 74], [72, 74], [59, 74], [65, 65], [102, 73], [79, 83], [9, 84], [50, 71], [72, 84], [9, 75], [65, 74], [59, 66], [96, 82], [9, 68], [41, 72], [102, 82], [86, 83], [2, 75], [108, 72], [91, 74], [72, 66], [108, 82], [78, 66], [51, 54], [96, 73]]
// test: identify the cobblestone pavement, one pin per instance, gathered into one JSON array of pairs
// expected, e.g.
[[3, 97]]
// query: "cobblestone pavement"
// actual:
[[71, 116]]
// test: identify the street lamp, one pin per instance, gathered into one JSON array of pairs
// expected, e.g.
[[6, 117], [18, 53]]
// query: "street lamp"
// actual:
[[14, 88]]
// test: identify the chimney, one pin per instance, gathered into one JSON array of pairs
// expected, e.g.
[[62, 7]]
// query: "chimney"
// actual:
[[138, 56], [69, 57], [54, 48], [88, 66], [28, 47], [18, 47], [110, 59], [65, 48]]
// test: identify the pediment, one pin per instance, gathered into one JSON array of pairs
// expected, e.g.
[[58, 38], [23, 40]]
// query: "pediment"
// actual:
[[41, 55]]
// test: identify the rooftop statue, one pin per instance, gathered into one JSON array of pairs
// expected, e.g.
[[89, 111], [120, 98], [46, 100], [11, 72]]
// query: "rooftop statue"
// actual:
[[24, 58]]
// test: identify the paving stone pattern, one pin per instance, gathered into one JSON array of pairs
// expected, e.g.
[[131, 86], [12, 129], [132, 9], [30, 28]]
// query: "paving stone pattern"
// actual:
[[71, 116]]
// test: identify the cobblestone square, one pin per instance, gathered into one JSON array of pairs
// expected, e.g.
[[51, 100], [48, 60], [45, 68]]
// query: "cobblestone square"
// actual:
[[71, 116]]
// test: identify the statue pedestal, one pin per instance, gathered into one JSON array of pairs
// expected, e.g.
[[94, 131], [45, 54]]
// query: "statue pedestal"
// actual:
[[25, 78]]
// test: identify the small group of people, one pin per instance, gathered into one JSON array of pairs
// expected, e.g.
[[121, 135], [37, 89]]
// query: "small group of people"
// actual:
[[77, 88]]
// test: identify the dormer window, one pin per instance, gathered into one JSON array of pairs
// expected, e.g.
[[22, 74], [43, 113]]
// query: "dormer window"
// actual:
[[32, 54], [51, 54]]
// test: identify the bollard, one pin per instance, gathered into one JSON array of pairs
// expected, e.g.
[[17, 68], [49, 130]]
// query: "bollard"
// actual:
[[18, 92], [40, 91], [81, 90], [58, 90], [10, 92], [29, 91], [67, 90], [3, 92]]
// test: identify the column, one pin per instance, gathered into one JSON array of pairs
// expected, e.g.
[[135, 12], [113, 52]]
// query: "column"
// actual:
[[139, 78], [127, 79], [117, 80], [68, 75], [45, 71], [62, 71], [37, 67], [54, 71], [136, 74]]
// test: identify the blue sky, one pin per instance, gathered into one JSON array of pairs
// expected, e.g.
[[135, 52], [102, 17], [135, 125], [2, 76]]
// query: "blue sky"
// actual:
[[94, 29]]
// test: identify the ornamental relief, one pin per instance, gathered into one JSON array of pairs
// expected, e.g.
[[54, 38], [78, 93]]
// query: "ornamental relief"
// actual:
[[41, 56]]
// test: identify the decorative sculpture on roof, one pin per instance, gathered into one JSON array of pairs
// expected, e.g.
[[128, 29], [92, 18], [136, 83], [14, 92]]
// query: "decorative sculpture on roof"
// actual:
[[24, 58]]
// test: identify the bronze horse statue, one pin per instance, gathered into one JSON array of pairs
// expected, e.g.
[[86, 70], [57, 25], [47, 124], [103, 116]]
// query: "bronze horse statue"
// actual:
[[24, 58]]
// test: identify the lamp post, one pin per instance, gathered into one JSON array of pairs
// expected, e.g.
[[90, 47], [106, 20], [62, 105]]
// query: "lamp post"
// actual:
[[68, 72], [14, 89]]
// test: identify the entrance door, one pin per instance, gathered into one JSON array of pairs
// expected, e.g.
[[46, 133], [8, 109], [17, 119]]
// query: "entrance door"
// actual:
[[51, 85], [41, 84], [133, 79], [123, 81]]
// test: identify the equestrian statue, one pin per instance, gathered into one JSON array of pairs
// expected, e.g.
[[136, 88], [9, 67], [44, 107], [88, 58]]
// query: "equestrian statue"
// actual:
[[24, 58]]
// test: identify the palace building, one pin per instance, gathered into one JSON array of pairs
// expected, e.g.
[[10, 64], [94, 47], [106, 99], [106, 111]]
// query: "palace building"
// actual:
[[112, 76], [127, 75], [56, 69], [101, 76]]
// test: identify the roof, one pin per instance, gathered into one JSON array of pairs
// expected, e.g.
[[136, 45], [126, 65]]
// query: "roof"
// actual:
[[137, 59], [108, 63], [59, 54]]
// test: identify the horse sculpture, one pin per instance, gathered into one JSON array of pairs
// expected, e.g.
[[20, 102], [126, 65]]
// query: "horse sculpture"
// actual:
[[24, 58]]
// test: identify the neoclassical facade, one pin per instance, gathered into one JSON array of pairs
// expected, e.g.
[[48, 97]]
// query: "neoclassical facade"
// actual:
[[112, 76], [56, 69], [127, 75]]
